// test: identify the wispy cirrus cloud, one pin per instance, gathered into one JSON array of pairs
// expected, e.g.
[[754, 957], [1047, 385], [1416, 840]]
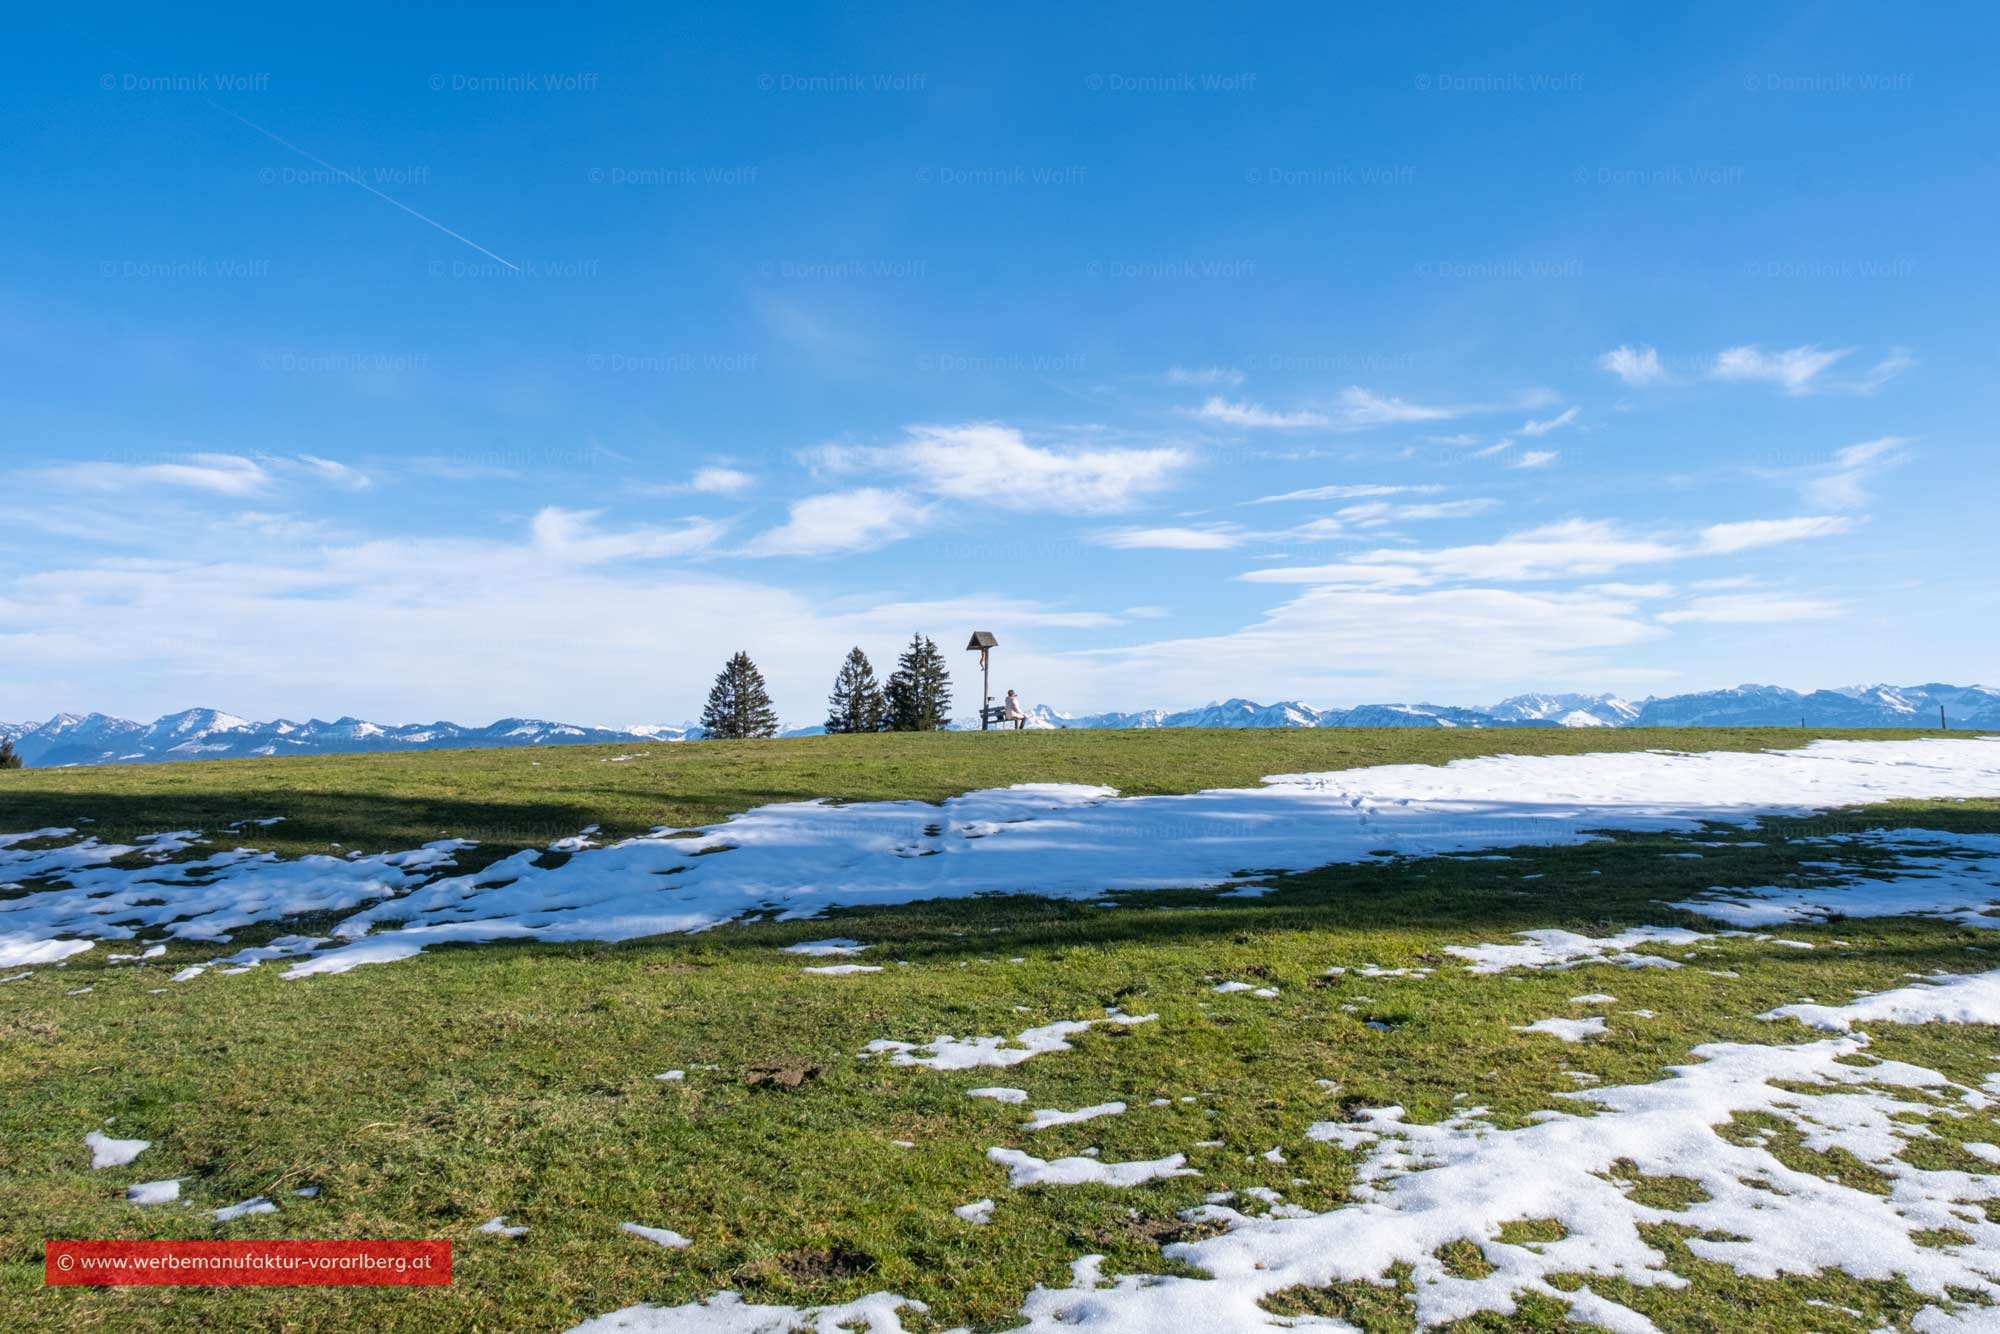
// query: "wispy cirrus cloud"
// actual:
[[1749, 609], [214, 473], [1344, 491], [1797, 371], [1573, 548], [1534, 430], [1353, 409], [1723, 538], [1794, 369], [1204, 376], [1231, 412], [993, 464], [1843, 484], [841, 522], [1636, 366], [575, 537]]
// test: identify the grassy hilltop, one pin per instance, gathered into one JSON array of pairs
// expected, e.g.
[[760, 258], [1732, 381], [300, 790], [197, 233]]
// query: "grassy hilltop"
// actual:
[[427, 1096]]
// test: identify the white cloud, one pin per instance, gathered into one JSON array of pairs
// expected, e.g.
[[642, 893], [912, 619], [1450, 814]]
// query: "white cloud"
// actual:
[[1722, 538], [992, 464], [1363, 407], [334, 474], [1215, 537], [1842, 485], [212, 473], [1343, 492], [841, 521], [1749, 609], [719, 481], [1536, 429], [1227, 412], [1380, 513], [1536, 458], [383, 629], [1636, 366], [1883, 371], [1355, 409], [1573, 548], [1205, 376], [218, 474], [573, 536], [1332, 644], [1638, 592], [1792, 370]]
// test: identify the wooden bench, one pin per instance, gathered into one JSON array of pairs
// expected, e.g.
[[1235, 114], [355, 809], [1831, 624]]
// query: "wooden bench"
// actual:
[[997, 715]]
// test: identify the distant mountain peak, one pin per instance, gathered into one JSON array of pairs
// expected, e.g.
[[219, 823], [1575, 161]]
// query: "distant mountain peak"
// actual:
[[97, 738]]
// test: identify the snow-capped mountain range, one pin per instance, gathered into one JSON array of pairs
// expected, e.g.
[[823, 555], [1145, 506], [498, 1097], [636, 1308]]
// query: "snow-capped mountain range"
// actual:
[[202, 734]]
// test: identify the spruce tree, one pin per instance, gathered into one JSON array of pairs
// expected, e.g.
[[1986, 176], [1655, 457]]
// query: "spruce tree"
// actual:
[[8, 758], [919, 694], [738, 704], [856, 704]]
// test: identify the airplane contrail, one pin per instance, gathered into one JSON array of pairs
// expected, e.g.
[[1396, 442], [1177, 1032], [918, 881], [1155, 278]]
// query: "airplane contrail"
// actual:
[[276, 139]]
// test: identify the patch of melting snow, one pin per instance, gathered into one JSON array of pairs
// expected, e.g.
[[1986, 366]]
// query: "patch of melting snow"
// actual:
[[256, 1204], [1024, 1170], [498, 1227], [672, 1076], [999, 1094], [728, 1313], [835, 945], [1944, 998], [1937, 874], [154, 1192], [1569, 1030], [1555, 949], [843, 969], [107, 1152], [659, 1236], [1592, 998], [1067, 840], [979, 1211], [1050, 1116], [949, 1053]]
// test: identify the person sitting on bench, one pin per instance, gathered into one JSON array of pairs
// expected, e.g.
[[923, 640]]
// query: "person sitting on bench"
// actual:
[[1012, 712]]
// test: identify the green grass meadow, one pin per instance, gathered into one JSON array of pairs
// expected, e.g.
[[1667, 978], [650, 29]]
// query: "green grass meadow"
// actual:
[[427, 1096]]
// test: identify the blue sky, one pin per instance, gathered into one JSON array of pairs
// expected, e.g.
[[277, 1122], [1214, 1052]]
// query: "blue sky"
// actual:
[[1287, 353]]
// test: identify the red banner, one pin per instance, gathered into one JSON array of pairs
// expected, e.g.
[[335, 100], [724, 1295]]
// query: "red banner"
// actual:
[[399, 1264]]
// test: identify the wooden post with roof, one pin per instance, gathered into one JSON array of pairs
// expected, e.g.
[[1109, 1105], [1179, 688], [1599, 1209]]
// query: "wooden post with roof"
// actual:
[[983, 642]]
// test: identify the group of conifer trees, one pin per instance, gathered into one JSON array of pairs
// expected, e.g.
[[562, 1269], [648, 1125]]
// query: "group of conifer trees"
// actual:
[[917, 697]]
